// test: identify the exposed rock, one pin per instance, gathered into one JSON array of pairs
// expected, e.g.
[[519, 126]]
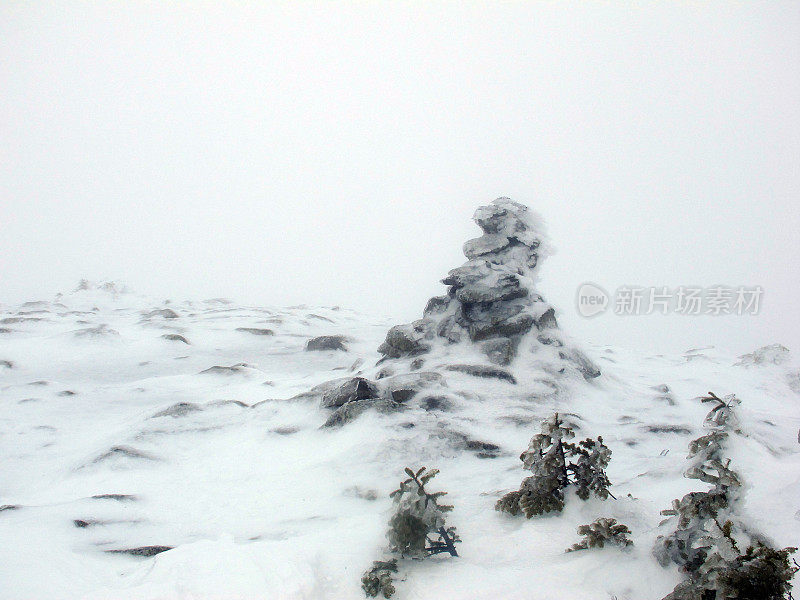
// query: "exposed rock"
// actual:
[[319, 390], [500, 351], [680, 429], [547, 320], [7, 364], [5, 507], [327, 342], [486, 244], [491, 301], [350, 411], [416, 381], [493, 327], [403, 340], [219, 370], [116, 497], [352, 389], [82, 524], [181, 409], [469, 273], [507, 288], [437, 305], [449, 329], [549, 340], [174, 337], [491, 297], [65, 393], [5, 330], [145, 551], [480, 448], [256, 330], [384, 373], [483, 371], [164, 313], [124, 452], [583, 363], [436, 403], [403, 395]]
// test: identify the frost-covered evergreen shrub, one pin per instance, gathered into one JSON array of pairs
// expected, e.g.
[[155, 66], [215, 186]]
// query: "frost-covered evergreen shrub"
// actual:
[[378, 580], [556, 464], [589, 471], [601, 533], [762, 573], [417, 516], [722, 559]]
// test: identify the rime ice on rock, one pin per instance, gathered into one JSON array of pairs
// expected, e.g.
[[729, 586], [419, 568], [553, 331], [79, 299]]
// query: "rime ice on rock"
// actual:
[[491, 299], [491, 304]]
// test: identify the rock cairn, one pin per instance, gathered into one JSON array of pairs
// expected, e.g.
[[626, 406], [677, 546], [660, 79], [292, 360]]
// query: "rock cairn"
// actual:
[[491, 299], [491, 302]]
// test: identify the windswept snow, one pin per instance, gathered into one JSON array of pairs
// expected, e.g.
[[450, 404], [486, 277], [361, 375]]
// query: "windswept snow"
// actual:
[[123, 439]]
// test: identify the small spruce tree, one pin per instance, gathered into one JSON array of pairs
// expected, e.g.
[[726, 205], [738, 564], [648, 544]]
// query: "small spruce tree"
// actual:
[[378, 579], [721, 558], [601, 533], [417, 516], [556, 464]]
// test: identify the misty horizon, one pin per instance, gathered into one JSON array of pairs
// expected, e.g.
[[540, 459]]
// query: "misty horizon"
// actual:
[[304, 154]]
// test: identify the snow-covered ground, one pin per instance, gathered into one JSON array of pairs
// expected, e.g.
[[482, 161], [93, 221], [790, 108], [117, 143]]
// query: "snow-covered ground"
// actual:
[[258, 501]]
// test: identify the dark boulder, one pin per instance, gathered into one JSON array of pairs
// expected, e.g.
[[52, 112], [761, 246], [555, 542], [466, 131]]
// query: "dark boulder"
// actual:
[[327, 342], [352, 389], [436, 403], [437, 305], [483, 371], [174, 337], [404, 340], [352, 410], [582, 362], [547, 320]]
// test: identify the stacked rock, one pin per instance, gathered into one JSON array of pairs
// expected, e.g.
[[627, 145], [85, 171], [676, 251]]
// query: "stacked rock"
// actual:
[[491, 298]]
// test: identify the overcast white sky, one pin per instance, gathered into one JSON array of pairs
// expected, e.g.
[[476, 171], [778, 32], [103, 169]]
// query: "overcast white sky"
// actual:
[[333, 153]]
